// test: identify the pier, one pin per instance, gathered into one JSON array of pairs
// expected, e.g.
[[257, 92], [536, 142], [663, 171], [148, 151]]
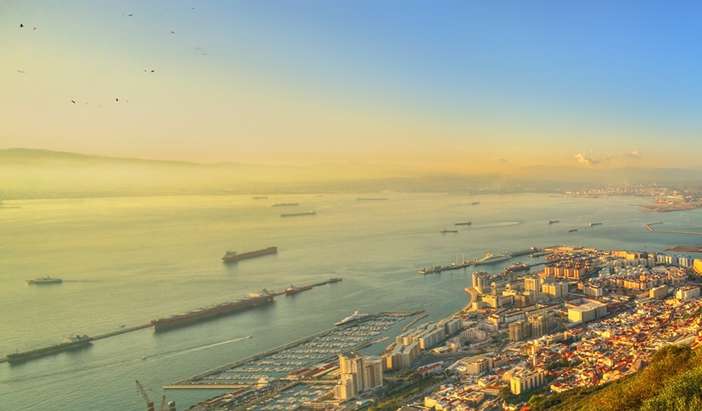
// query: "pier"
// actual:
[[437, 269], [125, 330], [649, 227]]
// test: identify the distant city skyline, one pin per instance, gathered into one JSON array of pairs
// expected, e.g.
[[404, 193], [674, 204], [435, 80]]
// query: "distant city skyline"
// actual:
[[452, 87]]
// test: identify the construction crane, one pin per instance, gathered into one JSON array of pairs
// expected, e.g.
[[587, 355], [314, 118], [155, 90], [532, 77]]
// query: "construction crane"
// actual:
[[149, 404]]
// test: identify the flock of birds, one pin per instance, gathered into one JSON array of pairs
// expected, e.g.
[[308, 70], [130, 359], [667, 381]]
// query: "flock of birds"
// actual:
[[199, 50]]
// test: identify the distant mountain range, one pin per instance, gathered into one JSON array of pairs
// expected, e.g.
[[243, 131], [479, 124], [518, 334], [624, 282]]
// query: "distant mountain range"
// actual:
[[29, 173]]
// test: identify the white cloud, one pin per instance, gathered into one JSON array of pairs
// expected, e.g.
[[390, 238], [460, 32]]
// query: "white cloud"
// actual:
[[585, 159]]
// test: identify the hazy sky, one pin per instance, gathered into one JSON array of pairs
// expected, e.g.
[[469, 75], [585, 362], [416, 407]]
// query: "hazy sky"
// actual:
[[466, 84]]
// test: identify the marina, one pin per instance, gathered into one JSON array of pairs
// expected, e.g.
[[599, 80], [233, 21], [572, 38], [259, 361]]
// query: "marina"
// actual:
[[281, 362]]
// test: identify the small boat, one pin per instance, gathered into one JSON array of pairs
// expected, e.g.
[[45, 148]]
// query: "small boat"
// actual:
[[449, 231], [475, 203], [594, 224], [465, 223], [553, 222], [355, 317], [573, 230]]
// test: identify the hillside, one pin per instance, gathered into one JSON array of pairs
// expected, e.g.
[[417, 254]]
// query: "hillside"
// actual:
[[672, 382]]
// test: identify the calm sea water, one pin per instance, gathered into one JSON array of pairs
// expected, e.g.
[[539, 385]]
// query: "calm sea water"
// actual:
[[126, 261]]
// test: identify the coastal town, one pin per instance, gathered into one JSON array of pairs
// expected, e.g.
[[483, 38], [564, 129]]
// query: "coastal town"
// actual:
[[665, 198], [585, 317]]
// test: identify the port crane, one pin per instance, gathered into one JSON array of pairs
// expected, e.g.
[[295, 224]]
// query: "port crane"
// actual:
[[149, 404]]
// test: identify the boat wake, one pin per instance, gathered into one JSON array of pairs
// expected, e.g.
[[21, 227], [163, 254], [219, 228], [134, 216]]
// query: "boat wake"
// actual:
[[174, 353]]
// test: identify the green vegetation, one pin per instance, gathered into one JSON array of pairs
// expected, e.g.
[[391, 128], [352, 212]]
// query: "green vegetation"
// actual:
[[673, 381]]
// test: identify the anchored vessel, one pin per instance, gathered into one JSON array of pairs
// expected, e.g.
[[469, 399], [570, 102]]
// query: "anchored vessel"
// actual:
[[260, 197], [298, 214], [464, 223], [286, 204], [594, 224], [208, 313], [449, 231], [371, 199], [572, 230], [475, 203], [44, 281], [554, 221], [233, 256], [355, 317], [72, 343]]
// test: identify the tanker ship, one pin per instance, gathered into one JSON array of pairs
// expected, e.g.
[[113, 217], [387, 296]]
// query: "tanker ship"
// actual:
[[304, 213], [208, 313], [233, 256]]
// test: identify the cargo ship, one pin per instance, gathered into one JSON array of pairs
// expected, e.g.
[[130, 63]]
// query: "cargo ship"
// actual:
[[72, 343], [209, 313], [353, 318], [44, 281], [464, 223], [298, 214], [515, 268], [286, 204], [233, 256]]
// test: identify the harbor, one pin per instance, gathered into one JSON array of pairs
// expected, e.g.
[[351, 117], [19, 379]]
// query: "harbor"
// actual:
[[279, 363], [487, 259], [164, 324]]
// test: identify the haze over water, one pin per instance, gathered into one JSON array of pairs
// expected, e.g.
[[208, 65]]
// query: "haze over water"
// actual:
[[130, 260]]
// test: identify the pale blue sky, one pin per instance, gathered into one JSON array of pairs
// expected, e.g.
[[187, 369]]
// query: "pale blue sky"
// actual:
[[290, 81]]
